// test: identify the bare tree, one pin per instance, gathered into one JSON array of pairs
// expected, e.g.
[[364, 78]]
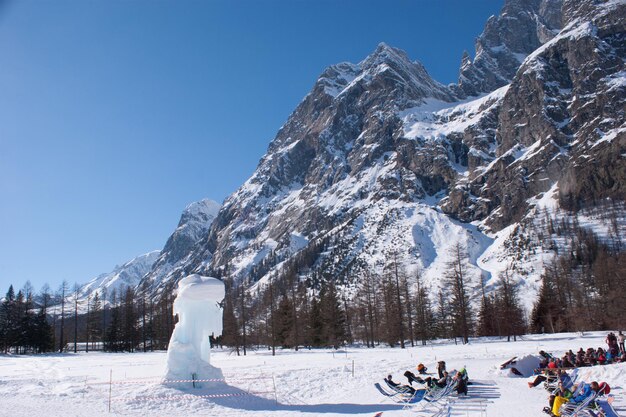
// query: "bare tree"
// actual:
[[457, 279], [76, 289], [62, 292]]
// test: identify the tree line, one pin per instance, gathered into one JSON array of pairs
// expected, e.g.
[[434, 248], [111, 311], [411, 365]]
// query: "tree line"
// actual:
[[127, 319], [394, 308], [583, 288]]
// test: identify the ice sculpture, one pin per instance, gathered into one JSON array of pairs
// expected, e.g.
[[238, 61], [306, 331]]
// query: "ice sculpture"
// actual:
[[199, 316]]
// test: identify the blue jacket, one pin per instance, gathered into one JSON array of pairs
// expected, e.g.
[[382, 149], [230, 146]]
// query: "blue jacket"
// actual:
[[584, 392]]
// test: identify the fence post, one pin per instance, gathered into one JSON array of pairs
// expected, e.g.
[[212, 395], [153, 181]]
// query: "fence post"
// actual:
[[352, 368], [275, 393], [110, 388]]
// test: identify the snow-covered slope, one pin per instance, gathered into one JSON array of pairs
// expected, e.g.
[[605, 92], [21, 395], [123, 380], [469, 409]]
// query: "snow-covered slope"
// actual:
[[127, 275], [318, 382]]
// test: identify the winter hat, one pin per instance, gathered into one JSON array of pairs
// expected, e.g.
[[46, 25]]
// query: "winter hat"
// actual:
[[604, 388]]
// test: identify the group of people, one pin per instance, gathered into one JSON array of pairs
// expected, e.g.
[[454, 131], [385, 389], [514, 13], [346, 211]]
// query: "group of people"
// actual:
[[443, 379], [574, 395], [615, 353], [559, 382]]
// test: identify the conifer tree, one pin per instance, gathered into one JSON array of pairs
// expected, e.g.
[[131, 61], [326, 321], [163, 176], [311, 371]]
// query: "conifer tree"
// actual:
[[425, 317], [231, 325], [244, 317], [316, 324], [457, 279], [6, 319], [333, 316], [94, 329], [284, 322], [510, 311], [399, 303], [444, 321], [62, 293], [486, 314]]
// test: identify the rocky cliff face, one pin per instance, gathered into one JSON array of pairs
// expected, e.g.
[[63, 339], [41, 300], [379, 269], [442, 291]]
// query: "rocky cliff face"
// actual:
[[560, 121], [157, 269], [381, 161], [194, 224], [521, 27]]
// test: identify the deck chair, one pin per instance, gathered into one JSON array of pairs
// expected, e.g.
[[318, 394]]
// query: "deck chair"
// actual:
[[606, 405], [553, 386], [435, 393], [400, 396], [577, 409]]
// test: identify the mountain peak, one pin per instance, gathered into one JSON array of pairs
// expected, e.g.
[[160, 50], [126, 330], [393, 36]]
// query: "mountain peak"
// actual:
[[204, 206], [385, 54], [520, 28]]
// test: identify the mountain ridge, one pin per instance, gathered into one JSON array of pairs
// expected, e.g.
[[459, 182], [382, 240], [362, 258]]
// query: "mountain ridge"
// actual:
[[380, 160]]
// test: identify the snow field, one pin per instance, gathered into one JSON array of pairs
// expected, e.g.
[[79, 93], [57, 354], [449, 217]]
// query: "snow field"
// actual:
[[308, 383]]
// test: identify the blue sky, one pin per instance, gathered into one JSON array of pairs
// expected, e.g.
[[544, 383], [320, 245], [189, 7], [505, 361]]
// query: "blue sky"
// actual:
[[114, 115]]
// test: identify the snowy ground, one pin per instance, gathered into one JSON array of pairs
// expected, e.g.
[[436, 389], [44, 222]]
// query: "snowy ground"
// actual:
[[308, 383]]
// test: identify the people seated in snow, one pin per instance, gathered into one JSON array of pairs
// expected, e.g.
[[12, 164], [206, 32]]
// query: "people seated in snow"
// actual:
[[461, 382], [561, 377], [561, 392], [430, 382], [439, 383], [590, 357], [550, 374], [441, 368], [564, 378], [545, 359], [411, 377], [421, 369], [399, 387], [568, 360], [580, 394]]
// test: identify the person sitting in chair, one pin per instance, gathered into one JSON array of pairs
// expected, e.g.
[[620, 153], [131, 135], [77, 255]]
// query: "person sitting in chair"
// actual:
[[421, 369], [399, 387], [439, 383], [461, 383]]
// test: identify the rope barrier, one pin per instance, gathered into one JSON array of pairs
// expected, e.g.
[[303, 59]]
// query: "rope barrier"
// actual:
[[181, 396], [165, 381], [187, 396]]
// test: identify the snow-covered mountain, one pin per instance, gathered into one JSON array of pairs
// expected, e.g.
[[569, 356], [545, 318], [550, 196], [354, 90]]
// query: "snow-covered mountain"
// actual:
[[150, 271], [194, 224], [381, 161], [127, 275]]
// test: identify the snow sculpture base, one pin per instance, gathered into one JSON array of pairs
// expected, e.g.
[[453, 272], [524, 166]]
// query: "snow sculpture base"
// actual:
[[199, 316]]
